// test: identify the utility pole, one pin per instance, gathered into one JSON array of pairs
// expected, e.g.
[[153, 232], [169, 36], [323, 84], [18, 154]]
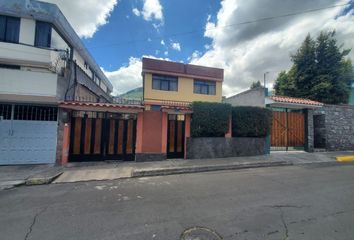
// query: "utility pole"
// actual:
[[264, 79]]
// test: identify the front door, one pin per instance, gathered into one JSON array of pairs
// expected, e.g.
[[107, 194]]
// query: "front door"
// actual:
[[288, 130], [175, 137]]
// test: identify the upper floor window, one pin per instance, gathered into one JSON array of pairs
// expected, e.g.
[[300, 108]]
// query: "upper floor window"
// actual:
[[9, 29], [204, 87], [43, 36], [165, 83]]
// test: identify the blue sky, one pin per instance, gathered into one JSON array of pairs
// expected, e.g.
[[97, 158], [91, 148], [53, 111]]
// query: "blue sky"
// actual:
[[118, 33], [128, 35]]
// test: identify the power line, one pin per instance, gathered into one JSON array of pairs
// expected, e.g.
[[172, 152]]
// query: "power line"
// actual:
[[225, 26]]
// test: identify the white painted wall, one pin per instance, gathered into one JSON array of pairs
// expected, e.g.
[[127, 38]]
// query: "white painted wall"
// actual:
[[27, 31], [24, 55], [81, 63], [21, 82]]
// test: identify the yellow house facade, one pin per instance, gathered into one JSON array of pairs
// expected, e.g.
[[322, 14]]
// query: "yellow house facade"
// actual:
[[178, 82]]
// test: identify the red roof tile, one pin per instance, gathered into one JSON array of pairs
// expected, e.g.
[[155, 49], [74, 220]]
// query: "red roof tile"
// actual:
[[285, 99], [95, 104]]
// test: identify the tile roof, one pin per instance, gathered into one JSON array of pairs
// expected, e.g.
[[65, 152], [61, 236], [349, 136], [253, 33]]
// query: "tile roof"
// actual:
[[292, 100], [181, 69], [96, 104]]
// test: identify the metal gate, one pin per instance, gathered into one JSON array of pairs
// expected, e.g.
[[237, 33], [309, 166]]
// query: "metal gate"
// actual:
[[175, 136], [288, 130], [98, 136], [28, 134]]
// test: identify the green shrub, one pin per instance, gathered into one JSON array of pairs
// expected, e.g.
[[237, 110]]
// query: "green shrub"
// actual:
[[251, 121], [210, 119]]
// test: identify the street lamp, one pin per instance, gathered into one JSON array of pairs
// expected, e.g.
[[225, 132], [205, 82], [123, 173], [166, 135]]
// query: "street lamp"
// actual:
[[264, 79]]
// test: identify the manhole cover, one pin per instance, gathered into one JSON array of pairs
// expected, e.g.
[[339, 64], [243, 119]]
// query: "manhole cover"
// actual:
[[200, 233]]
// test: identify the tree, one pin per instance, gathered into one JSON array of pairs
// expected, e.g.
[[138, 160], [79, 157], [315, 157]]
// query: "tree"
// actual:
[[256, 85], [320, 71]]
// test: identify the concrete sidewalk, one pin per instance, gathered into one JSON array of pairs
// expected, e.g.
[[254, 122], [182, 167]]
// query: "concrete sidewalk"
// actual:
[[15, 175], [11, 176], [116, 170]]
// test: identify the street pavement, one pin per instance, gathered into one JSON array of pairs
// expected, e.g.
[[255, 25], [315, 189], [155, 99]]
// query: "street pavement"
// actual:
[[292, 202]]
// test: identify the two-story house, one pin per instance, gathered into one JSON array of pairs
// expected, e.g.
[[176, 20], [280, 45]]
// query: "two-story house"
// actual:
[[169, 88], [42, 62]]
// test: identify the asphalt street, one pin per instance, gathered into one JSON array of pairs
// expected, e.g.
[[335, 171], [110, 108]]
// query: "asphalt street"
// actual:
[[297, 202]]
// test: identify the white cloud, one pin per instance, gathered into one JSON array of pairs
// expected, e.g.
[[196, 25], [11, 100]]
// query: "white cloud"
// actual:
[[247, 51], [166, 53], [136, 12], [127, 77], [152, 10], [176, 46], [163, 42], [86, 16], [195, 55]]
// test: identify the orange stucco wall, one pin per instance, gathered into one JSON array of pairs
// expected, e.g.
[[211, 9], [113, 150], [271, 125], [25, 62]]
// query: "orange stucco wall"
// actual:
[[152, 132], [66, 144]]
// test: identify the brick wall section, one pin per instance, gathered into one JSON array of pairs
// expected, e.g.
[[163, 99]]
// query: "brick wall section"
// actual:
[[339, 126]]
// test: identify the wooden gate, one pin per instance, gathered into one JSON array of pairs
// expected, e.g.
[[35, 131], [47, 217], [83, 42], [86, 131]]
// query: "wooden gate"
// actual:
[[288, 130], [175, 136], [98, 136]]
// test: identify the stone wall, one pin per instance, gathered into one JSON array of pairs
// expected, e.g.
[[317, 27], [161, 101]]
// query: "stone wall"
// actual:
[[339, 126], [198, 148]]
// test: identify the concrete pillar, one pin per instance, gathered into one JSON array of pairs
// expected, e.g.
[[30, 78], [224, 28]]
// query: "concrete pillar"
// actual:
[[228, 134], [309, 132], [66, 144]]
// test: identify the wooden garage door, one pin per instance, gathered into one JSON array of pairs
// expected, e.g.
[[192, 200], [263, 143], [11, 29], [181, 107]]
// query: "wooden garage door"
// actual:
[[288, 130]]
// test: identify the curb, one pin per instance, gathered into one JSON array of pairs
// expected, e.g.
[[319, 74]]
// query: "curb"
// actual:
[[42, 180], [345, 158], [210, 168]]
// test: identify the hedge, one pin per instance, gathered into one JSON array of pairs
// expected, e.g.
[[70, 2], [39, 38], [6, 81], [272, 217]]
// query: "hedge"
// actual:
[[210, 119], [251, 121]]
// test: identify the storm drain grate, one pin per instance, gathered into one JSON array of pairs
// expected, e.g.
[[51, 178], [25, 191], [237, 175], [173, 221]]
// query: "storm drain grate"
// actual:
[[200, 233]]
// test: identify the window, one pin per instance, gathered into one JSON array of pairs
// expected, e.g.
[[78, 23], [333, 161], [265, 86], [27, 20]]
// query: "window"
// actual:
[[165, 83], [5, 111], [43, 34], [7, 66], [9, 29], [204, 87]]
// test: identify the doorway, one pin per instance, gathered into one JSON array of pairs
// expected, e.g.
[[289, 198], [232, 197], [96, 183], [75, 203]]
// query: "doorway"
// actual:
[[175, 136]]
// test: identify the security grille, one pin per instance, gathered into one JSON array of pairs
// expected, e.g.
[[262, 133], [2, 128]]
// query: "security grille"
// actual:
[[35, 113], [5, 111]]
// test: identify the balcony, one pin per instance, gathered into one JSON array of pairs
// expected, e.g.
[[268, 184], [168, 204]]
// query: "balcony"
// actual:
[[19, 54], [27, 86]]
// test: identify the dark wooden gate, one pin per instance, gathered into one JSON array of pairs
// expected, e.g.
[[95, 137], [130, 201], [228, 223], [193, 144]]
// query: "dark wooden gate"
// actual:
[[98, 136], [288, 130], [175, 136]]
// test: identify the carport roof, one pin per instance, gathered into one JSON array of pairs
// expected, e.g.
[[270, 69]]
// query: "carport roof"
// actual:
[[107, 107]]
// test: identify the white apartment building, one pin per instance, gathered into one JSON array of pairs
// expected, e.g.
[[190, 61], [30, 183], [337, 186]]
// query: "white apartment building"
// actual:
[[42, 62]]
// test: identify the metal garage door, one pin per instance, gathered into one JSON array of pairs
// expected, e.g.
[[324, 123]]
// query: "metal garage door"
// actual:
[[28, 134]]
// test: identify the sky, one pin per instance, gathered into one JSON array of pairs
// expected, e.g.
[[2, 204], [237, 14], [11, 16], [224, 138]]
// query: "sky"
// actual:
[[245, 38]]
